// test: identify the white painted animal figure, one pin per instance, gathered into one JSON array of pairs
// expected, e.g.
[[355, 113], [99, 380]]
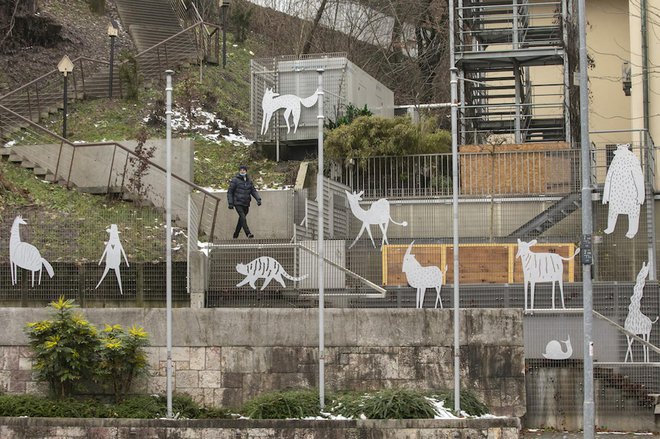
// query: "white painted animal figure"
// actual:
[[636, 322], [554, 350], [24, 255], [378, 213], [624, 190], [112, 254], [542, 267], [267, 268], [422, 277], [271, 102]]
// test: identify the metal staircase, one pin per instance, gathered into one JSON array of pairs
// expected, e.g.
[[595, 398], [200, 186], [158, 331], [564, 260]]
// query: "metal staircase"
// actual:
[[549, 217], [502, 50]]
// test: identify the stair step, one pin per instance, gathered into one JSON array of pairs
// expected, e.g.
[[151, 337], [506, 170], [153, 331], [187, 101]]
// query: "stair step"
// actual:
[[27, 164], [15, 158]]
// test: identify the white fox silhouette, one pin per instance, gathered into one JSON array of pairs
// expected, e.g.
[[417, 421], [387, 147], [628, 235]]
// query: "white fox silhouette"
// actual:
[[272, 102]]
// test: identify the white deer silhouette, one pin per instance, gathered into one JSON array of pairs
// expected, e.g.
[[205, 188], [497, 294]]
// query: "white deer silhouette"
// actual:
[[378, 213], [24, 255]]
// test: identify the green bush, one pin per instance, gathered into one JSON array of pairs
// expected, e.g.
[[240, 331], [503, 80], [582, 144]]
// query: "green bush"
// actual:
[[371, 136], [137, 407], [283, 405], [38, 406], [122, 357], [65, 348], [470, 404], [69, 352], [384, 404], [351, 112]]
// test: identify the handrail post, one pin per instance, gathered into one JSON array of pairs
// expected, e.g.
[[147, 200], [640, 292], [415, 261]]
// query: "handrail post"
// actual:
[[215, 215], [112, 165], [201, 213], [73, 156], [59, 155]]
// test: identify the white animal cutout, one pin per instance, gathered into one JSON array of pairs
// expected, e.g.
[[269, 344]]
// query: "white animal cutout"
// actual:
[[112, 254], [624, 190], [554, 351], [267, 268], [542, 267], [271, 102], [422, 277], [24, 255], [636, 322], [378, 213]]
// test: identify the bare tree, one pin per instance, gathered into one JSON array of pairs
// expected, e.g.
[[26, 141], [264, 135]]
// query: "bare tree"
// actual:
[[315, 23]]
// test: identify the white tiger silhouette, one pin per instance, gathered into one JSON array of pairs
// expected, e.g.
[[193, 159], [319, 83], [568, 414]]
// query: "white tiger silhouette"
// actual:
[[267, 268]]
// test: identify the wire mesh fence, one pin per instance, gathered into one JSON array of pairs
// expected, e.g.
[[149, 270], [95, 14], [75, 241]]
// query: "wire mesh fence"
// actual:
[[100, 254]]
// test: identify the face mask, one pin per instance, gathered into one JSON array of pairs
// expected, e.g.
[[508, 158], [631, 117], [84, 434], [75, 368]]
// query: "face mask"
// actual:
[[243, 172]]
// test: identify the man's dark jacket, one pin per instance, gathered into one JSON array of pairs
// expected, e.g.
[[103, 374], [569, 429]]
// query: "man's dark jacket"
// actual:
[[240, 190]]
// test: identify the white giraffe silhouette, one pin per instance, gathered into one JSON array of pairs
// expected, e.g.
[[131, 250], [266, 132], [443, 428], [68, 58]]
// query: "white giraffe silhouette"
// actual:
[[378, 213], [24, 255], [112, 254], [636, 322]]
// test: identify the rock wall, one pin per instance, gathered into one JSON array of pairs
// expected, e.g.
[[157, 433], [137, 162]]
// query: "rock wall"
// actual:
[[226, 356]]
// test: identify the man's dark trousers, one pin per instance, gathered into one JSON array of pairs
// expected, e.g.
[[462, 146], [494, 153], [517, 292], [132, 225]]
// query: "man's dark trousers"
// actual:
[[242, 220]]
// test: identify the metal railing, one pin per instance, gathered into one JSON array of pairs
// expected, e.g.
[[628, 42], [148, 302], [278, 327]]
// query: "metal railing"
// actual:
[[44, 94], [72, 159], [527, 172], [514, 26]]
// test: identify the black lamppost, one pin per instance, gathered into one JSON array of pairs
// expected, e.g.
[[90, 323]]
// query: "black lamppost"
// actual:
[[224, 7], [112, 33], [65, 66]]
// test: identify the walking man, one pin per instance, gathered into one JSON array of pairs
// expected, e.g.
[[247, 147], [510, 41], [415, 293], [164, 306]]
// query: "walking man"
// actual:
[[240, 193]]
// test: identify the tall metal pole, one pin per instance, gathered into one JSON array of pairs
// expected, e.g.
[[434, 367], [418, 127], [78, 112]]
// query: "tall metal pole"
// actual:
[[65, 105], [587, 229], [320, 244], [454, 158], [168, 237]]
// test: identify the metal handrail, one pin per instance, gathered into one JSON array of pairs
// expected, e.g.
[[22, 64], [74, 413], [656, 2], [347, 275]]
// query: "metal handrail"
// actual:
[[62, 141], [54, 71]]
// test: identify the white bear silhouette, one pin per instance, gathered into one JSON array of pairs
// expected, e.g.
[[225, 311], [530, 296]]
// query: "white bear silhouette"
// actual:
[[624, 190]]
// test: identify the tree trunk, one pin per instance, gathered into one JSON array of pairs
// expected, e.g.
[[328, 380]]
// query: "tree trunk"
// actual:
[[308, 41]]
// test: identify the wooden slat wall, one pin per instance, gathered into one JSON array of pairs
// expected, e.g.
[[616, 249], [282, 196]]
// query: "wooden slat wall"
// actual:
[[479, 263]]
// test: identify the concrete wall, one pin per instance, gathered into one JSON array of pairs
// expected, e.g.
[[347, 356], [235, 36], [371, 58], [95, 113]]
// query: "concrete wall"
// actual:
[[94, 167], [554, 390], [15, 428], [272, 220], [226, 356]]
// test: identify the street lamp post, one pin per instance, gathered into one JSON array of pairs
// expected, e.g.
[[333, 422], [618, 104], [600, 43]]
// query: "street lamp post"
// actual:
[[65, 66], [224, 7], [112, 33]]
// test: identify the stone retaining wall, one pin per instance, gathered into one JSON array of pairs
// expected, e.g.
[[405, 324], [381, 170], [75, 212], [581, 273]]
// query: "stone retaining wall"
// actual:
[[224, 357], [61, 428]]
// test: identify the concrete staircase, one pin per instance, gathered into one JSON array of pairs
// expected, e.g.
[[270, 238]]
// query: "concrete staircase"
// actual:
[[157, 33], [154, 25]]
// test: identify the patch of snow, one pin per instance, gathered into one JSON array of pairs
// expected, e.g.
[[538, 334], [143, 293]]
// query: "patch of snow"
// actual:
[[440, 410], [10, 144], [204, 248]]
